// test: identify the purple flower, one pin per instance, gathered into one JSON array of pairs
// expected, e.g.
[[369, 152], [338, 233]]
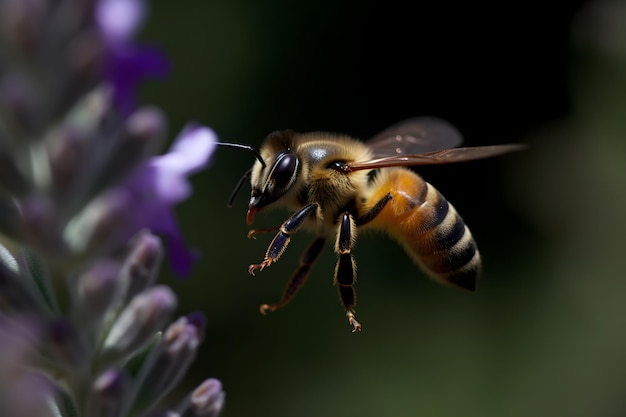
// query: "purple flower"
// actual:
[[82, 200], [161, 182], [126, 64]]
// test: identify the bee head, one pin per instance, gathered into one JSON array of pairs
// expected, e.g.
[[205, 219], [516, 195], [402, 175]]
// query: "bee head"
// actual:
[[272, 181], [272, 175]]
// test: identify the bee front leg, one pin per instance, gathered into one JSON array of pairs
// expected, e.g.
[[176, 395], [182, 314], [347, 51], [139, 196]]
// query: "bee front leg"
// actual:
[[299, 277], [252, 233], [345, 271], [282, 238]]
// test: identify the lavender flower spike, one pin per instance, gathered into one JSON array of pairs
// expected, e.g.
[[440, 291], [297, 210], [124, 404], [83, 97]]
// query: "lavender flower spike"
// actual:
[[161, 182], [81, 319]]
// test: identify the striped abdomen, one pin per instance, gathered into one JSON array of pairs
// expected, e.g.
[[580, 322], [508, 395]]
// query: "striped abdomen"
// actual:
[[428, 227]]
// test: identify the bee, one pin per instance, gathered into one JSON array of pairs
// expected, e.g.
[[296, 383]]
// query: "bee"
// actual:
[[336, 186]]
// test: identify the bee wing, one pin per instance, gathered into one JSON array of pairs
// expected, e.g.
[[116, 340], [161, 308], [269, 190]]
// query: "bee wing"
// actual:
[[415, 136], [445, 156]]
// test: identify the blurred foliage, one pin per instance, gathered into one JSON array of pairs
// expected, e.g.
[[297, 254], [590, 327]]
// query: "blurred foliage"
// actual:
[[545, 334]]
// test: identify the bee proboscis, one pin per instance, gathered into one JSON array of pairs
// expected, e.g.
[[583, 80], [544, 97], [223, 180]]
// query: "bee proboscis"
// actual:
[[336, 186]]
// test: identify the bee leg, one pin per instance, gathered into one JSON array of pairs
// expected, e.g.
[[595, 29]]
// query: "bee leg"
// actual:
[[282, 238], [345, 271], [374, 211], [252, 233], [299, 277]]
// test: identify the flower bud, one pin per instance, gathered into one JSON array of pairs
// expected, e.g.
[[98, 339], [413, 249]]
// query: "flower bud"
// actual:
[[143, 135], [89, 114], [76, 150], [205, 401], [66, 154], [97, 288], [139, 322], [109, 394], [169, 361], [141, 266], [147, 126], [41, 228], [198, 319], [100, 225]]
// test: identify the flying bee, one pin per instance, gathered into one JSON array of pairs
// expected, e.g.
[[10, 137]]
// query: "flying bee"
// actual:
[[336, 186]]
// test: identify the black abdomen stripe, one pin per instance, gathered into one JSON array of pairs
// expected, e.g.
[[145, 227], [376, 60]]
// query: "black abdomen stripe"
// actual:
[[445, 247]]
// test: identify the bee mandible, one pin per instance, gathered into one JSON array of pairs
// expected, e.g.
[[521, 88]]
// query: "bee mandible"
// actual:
[[335, 186]]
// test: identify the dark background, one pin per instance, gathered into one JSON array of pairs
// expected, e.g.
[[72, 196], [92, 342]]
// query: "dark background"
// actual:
[[545, 333]]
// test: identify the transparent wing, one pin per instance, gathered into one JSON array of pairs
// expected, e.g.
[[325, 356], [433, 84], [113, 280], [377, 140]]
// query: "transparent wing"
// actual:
[[445, 156], [415, 136]]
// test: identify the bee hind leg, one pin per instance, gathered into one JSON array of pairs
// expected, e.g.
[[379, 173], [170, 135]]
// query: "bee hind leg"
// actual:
[[345, 271], [299, 276]]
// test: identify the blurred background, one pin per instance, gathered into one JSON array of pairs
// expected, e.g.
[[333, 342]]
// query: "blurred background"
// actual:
[[545, 335]]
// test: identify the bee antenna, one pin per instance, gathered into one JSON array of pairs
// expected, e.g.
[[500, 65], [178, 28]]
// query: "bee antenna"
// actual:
[[238, 187], [256, 153]]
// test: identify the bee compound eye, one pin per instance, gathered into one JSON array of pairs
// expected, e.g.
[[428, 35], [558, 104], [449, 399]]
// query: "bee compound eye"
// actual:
[[284, 169]]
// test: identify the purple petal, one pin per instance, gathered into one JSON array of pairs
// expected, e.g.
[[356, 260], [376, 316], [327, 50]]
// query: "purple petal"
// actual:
[[188, 154], [126, 64], [181, 258], [119, 20], [162, 182]]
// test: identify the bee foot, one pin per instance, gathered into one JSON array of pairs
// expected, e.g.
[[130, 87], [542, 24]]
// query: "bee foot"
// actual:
[[352, 320], [264, 308], [260, 266], [253, 232]]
